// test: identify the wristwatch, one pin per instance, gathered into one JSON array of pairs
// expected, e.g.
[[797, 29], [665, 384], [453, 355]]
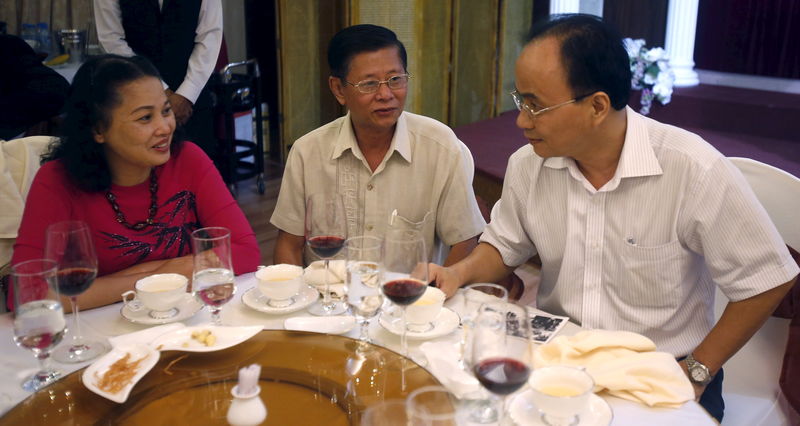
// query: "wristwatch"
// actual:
[[698, 373]]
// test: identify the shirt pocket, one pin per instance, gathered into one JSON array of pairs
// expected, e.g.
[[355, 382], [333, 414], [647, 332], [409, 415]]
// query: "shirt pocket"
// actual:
[[651, 276]]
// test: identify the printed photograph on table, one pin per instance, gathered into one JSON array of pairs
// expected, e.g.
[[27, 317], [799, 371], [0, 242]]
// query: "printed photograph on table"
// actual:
[[544, 327]]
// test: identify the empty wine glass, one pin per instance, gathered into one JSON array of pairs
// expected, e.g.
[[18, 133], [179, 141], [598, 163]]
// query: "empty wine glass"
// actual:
[[212, 280], [500, 352], [363, 280], [69, 244], [405, 273], [431, 406], [325, 232], [473, 296], [38, 316]]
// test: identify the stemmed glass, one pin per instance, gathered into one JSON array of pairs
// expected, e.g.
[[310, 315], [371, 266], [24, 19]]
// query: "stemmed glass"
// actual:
[[69, 244], [431, 406], [212, 279], [363, 280], [501, 351], [473, 296], [405, 272], [39, 318], [326, 232]]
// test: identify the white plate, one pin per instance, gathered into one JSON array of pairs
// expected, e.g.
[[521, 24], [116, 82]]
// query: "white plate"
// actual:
[[255, 300], [181, 339], [186, 309], [523, 411], [445, 323], [102, 364], [336, 324]]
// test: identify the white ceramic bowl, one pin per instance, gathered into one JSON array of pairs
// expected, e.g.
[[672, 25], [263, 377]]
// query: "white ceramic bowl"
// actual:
[[280, 282]]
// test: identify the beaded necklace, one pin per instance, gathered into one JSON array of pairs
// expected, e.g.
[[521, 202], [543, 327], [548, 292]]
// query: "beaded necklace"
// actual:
[[151, 212]]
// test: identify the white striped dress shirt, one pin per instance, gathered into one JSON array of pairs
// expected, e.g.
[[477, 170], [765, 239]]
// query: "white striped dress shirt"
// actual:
[[643, 252]]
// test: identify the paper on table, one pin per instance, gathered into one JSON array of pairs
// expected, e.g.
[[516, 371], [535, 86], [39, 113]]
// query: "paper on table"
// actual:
[[314, 276], [443, 363], [144, 336], [623, 363]]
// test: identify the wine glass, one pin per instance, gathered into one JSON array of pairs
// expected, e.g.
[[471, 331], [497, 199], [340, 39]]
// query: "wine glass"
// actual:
[[431, 406], [363, 280], [326, 231], [500, 352], [212, 279], [69, 244], [405, 272], [38, 316], [473, 296]]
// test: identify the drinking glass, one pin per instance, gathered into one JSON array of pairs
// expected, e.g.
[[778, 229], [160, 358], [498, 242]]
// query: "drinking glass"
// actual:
[[390, 412], [38, 316], [326, 231], [431, 406], [212, 279], [473, 296], [405, 272], [500, 352], [363, 280], [70, 245]]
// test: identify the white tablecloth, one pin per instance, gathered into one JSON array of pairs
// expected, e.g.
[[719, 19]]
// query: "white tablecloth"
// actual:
[[107, 322]]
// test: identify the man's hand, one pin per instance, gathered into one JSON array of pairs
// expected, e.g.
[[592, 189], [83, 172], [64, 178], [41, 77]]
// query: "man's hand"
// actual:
[[181, 107], [446, 279], [698, 389]]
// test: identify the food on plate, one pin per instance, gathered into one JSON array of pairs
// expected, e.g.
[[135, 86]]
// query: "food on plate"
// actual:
[[205, 337], [119, 374]]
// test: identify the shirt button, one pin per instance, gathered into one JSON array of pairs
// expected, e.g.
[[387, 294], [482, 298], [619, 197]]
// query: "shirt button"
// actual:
[[369, 227], [369, 187]]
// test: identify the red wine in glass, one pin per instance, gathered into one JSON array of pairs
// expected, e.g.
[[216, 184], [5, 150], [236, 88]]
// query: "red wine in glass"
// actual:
[[326, 246], [404, 291], [502, 376], [74, 281]]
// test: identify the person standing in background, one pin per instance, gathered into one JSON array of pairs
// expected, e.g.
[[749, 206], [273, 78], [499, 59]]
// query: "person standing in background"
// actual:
[[182, 39]]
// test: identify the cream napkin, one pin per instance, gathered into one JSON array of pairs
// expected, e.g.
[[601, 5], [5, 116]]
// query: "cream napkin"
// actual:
[[623, 363], [144, 336], [443, 363], [314, 276]]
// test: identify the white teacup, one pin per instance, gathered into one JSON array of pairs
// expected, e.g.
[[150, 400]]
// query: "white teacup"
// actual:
[[421, 314], [280, 283], [161, 293], [561, 393]]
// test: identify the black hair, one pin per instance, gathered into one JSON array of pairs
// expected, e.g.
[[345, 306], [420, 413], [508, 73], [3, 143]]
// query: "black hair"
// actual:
[[592, 54], [93, 94], [351, 41]]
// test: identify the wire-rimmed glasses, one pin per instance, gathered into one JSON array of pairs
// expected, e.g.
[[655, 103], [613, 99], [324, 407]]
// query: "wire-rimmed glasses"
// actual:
[[534, 111], [395, 82]]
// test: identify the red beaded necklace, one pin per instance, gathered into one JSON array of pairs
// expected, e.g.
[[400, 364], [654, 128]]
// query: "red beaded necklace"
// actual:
[[151, 212]]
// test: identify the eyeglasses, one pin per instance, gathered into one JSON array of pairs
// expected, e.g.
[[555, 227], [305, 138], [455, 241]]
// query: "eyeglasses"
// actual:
[[534, 110], [394, 82]]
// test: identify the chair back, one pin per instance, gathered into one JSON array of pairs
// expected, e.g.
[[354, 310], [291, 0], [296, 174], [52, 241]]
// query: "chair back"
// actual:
[[750, 388]]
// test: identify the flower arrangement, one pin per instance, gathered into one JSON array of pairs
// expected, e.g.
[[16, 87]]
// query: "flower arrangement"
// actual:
[[651, 73]]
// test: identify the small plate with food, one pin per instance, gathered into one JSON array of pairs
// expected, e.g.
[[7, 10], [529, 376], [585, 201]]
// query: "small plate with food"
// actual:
[[113, 375], [204, 338]]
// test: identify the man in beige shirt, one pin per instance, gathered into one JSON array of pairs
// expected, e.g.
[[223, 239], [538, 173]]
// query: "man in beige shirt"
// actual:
[[393, 168]]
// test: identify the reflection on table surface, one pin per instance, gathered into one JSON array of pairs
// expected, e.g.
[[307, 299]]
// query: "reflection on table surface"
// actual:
[[306, 378]]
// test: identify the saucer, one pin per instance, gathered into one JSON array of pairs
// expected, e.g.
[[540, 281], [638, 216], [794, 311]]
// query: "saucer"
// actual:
[[225, 337], [138, 351], [524, 413], [444, 324], [186, 309], [255, 300]]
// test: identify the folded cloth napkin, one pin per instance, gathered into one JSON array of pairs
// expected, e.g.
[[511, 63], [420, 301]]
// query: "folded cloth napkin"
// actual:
[[314, 276], [443, 364], [144, 336], [623, 363]]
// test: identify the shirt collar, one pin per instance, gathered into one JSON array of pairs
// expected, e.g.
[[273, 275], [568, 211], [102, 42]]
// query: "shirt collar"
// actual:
[[346, 139]]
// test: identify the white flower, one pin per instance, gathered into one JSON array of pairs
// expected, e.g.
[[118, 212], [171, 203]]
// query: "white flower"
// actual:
[[655, 54], [633, 47], [649, 78]]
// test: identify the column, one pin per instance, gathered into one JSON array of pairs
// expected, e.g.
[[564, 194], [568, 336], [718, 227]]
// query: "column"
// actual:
[[565, 6], [681, 28]]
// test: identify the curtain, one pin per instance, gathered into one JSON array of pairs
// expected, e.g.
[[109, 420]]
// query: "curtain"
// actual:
[[58, 14]]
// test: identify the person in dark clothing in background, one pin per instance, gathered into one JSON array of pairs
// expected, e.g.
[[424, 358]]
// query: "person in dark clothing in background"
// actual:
[[182, 39], [30, 92]]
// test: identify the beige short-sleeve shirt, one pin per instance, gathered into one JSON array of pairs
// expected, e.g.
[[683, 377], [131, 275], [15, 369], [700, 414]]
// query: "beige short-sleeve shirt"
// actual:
[[423, 182]]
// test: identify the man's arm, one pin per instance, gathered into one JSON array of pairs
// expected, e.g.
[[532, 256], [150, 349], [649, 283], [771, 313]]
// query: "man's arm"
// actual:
[[484, 264], [460, 250], [738, 323], [289, 249], [110, 33], [207, 42]]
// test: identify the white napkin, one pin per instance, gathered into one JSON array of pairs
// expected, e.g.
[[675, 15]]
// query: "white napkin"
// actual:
[[314, 276], [443, 363], [146, 336], [623, 363]]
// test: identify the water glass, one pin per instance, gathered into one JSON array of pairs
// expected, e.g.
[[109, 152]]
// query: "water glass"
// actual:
[[431, 406], [363, 280], [213, 280]]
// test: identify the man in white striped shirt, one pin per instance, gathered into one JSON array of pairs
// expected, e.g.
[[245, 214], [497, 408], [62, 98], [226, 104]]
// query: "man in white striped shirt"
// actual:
[[635, 221]]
